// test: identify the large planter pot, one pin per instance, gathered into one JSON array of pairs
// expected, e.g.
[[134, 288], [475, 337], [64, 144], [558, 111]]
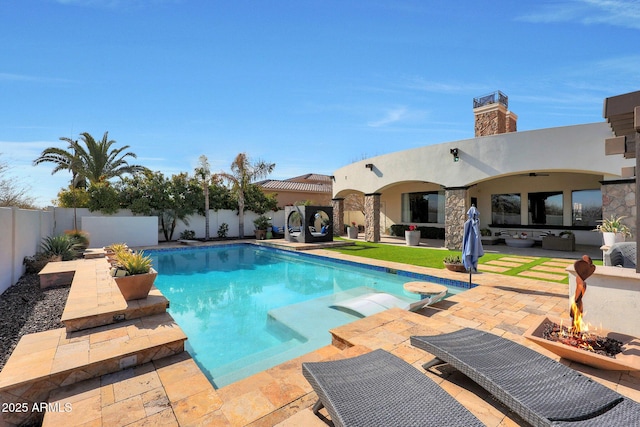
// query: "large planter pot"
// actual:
[[458, 268], [412, 237], [609, 238], [261, 234], [352, 232], [136, 286]]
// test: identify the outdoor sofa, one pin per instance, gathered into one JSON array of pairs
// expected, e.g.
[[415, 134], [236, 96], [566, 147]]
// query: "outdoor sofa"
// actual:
[[539, 389], [559, 243], [380, 389]]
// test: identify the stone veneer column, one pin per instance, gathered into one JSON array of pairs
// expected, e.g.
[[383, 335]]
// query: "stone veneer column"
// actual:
[[619, 199], [372, 217], [455, 214], [338, 216]]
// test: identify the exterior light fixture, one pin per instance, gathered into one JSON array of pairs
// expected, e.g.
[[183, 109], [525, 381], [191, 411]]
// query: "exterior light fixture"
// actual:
[[454, 153], [369, 166]]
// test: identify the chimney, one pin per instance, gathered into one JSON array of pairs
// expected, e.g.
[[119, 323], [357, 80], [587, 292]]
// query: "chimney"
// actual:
[[492, 116]]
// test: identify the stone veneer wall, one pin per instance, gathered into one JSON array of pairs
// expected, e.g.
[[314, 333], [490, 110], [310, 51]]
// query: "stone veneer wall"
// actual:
[[372, 217], [619, 199], [338, 216], [490, 122], [455, 214]]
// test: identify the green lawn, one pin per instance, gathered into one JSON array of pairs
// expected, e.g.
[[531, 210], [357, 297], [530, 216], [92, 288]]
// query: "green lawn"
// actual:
[[426, 257]]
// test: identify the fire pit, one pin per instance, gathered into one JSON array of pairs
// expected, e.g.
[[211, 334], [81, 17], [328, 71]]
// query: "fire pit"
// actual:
[[572, 339], [627, 360]]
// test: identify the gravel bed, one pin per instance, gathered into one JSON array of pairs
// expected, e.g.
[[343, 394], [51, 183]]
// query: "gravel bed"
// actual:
[[26, 309]]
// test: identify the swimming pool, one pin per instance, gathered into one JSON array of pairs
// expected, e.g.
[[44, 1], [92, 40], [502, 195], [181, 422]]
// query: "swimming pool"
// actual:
[[246, 308]]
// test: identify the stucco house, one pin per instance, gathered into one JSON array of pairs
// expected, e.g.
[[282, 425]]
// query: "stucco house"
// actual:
[[315, 188], [553, 179]]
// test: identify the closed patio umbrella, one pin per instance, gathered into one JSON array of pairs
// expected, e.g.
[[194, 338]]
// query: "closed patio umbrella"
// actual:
[[471, 241]]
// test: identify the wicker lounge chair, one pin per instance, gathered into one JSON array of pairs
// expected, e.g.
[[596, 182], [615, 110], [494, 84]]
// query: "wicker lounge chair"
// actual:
[[380, 389], [542, 391]]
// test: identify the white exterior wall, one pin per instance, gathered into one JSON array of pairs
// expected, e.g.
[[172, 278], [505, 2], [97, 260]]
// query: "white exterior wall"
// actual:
[[134, 230], [577, 148], [23, 231], [496, 164]]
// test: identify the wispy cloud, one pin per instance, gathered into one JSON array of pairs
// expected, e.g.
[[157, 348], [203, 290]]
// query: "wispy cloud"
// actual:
[[391, 116], [10, 77], [621, 13], [449, 87]]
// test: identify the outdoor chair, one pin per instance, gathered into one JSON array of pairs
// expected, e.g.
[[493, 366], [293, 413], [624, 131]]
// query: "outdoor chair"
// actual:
[[380, 389], [539, 389], [622, 254]]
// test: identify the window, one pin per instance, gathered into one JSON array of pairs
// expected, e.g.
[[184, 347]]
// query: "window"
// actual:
[[545, 208], [505, 209], [586, 207], [423, 207]]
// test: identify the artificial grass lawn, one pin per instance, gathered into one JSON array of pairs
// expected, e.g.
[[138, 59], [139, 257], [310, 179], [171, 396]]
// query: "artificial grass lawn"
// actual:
[[426, 257]]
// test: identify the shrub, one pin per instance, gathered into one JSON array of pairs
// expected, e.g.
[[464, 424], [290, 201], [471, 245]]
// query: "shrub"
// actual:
[[223, 230], [425, 232], [188, 235], [261, 223]]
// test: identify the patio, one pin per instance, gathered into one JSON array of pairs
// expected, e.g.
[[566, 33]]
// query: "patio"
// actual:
[[171, 389]]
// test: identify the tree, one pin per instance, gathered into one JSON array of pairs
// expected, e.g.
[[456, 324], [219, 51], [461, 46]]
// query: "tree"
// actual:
[[169, 199], [12, 193], [243, 172], [89, 161], [203, 172]]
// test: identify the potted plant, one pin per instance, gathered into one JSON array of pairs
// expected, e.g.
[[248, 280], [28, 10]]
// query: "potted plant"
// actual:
[[454, 263], [613, 230], [412, 236], [261, 223], [134, 274], [352, 232]]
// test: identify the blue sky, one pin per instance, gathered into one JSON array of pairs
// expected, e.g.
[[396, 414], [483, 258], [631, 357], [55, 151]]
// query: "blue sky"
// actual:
[[309, 85]]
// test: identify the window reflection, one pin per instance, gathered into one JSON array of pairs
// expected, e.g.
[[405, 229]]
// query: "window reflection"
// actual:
[[545, 208], [505, 209]]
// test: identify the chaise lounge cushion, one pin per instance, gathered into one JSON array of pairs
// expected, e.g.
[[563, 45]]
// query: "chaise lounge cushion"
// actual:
[[540, 390], [380, 389]]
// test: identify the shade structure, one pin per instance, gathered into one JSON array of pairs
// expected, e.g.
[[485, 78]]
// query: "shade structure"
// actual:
[[471, 241]]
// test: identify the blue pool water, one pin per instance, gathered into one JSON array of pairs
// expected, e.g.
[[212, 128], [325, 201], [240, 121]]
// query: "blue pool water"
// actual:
[[247, 308]]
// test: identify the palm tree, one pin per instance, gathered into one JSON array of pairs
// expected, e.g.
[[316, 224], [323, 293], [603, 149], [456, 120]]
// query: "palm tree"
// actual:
[[90, 161], [243, 172], [203, 171]]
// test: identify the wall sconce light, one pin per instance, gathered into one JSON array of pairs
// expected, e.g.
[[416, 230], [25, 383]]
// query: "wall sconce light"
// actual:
[[369, 166], [454, 153], [333, 178]]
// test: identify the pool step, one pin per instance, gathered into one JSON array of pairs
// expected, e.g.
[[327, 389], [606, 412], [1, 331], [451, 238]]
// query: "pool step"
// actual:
[[48, 360], [95, 299], [252, 364]]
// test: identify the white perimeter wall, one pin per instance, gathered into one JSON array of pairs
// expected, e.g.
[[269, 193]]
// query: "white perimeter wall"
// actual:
[[22, 233], [134, 230]]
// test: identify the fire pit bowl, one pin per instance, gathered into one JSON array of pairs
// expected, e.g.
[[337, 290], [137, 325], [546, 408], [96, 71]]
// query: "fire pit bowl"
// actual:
[[627, 360]]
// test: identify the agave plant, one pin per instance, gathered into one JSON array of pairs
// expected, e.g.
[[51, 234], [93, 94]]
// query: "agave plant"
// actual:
[[134, 262], [452, 259], [62, 246]]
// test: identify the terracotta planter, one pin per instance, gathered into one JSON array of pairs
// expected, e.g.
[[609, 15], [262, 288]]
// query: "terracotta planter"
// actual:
[[261, 234], [136, 286], [412, 238], [458, 268]]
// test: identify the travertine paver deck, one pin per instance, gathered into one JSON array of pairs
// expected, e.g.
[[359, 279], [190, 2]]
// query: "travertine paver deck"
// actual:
[[280, 396]]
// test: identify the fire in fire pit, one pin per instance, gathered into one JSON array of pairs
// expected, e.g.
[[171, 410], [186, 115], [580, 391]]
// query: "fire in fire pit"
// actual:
[[591, 342], [577, 335], [602, 350]]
